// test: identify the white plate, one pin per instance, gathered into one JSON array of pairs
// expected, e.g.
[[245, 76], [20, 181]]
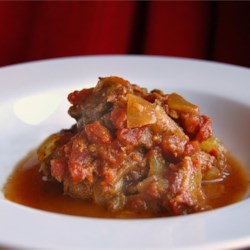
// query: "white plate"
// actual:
[[33, 104]]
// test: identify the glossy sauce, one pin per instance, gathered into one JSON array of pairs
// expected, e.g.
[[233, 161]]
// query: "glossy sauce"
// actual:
[[26, 186]]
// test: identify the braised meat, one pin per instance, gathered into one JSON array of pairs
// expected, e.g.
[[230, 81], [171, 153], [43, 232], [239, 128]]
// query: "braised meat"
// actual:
[[134, 150]]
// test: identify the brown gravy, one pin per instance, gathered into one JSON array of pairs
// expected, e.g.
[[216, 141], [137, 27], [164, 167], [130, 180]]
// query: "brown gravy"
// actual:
[[25, 186]]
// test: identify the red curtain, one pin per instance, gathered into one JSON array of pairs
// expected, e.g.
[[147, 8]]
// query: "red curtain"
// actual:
[[210, 30]]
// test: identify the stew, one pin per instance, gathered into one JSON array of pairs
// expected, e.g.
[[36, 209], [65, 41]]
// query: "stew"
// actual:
[[130, 154]]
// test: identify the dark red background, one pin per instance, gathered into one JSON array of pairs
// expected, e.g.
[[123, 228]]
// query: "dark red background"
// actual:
[[218, 31]]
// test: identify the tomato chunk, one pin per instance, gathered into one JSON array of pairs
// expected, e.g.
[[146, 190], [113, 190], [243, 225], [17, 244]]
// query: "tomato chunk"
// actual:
[[97, 133]]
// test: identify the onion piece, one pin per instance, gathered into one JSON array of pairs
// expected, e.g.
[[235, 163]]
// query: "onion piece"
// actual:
[[156, 164], [179, 104], [139, 112], [215, 147]]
